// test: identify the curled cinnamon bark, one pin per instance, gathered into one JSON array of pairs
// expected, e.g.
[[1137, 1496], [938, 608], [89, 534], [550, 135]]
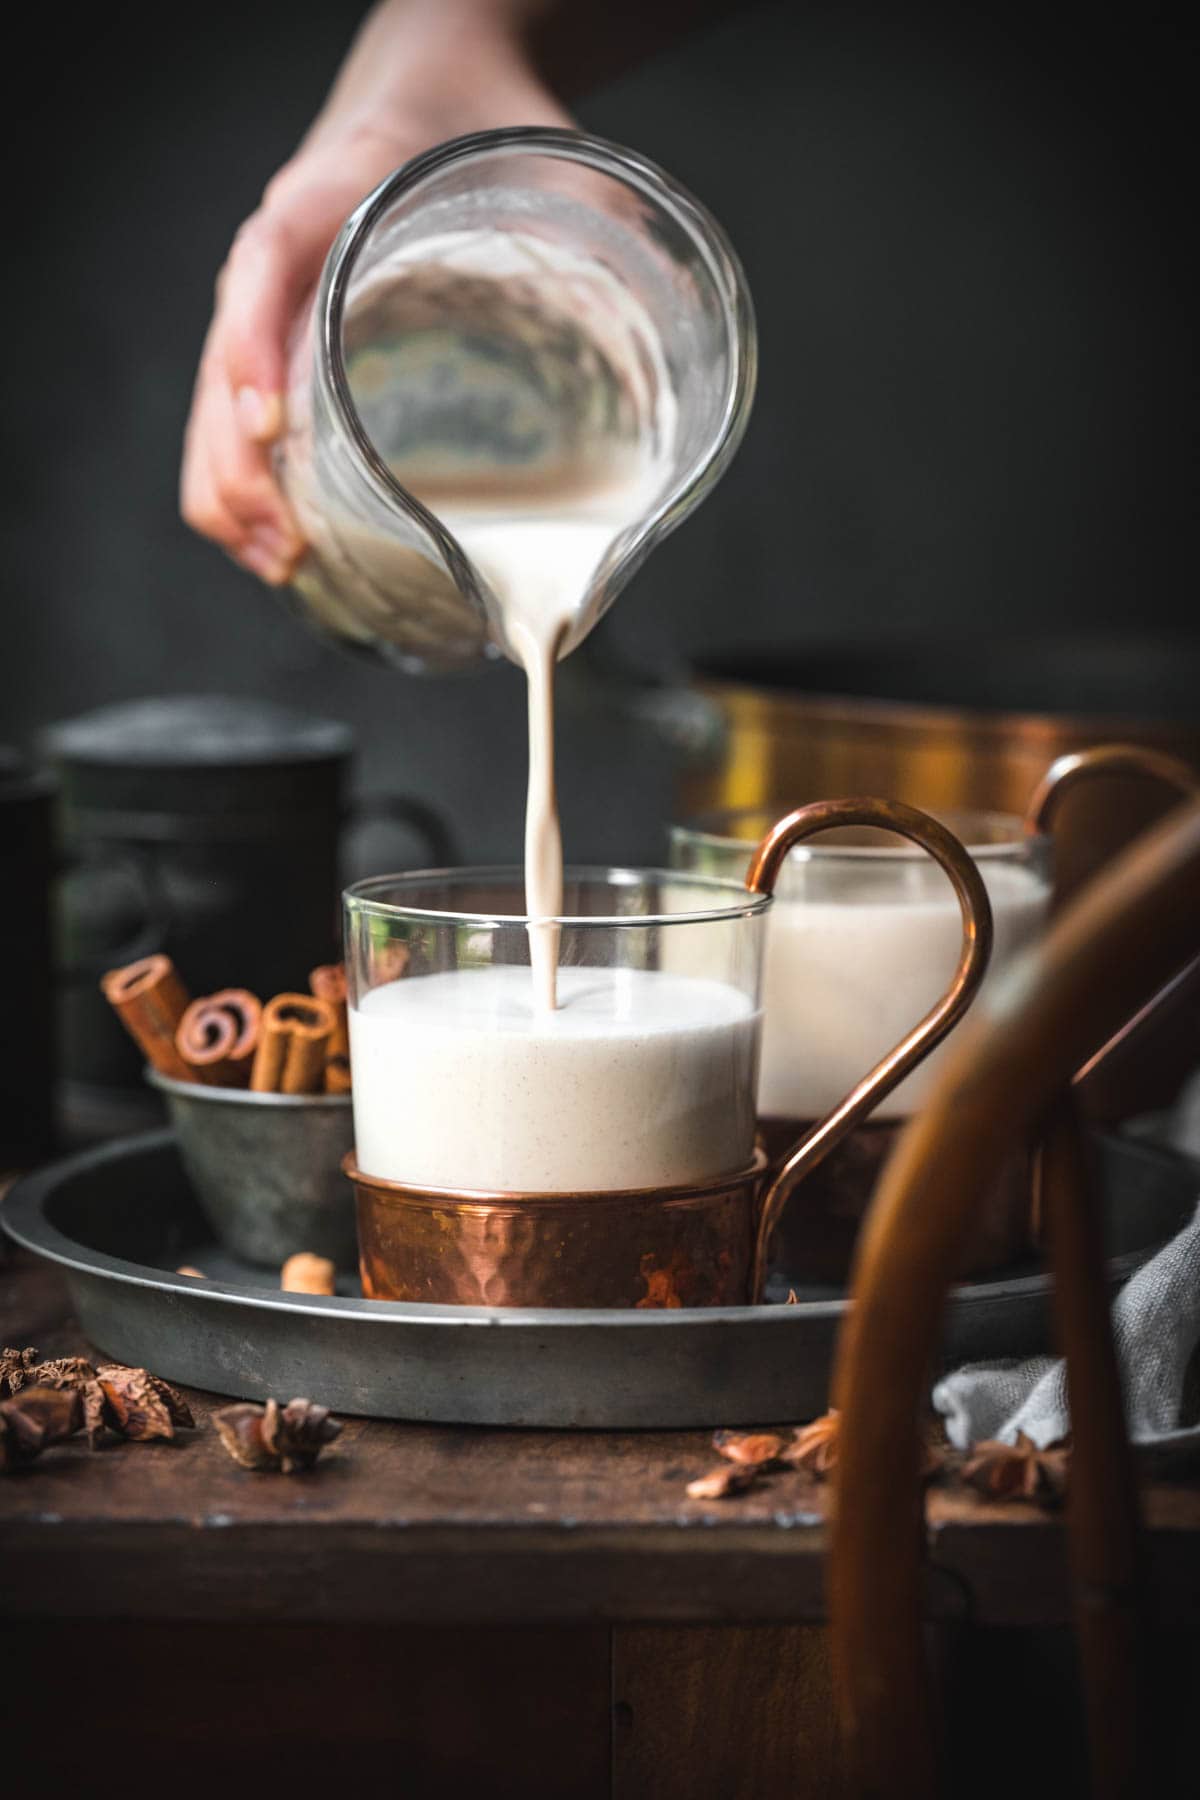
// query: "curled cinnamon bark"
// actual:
[[305, 1273], [293, 1040], [218, 1035], [150, 1000], [328, 983]]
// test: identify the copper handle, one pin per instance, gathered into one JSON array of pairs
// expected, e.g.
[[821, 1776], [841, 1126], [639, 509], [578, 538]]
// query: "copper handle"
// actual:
[[944, 847], [1069, 772]]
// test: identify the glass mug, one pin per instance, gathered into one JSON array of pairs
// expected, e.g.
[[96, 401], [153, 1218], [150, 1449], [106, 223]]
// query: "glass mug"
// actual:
[[604, 1153], [508, 318], [862, 938]]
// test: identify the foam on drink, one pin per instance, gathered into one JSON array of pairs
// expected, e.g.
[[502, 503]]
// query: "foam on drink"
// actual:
[[641, 1078]]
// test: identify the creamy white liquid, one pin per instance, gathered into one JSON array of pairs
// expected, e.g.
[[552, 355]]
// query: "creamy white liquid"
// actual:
[[845, 979], [539, 570], [639, 1079]]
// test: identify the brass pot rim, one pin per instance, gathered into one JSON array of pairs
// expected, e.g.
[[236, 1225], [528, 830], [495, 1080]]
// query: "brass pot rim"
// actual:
[[465, 1199]]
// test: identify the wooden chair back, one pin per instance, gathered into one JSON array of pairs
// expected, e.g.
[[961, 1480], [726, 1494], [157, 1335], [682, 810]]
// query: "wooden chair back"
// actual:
[[1007, 1076]]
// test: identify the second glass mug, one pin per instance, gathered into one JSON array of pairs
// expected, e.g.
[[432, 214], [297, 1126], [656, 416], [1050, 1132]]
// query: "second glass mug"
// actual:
[[604, 1154], [507, 315], [862, 936]]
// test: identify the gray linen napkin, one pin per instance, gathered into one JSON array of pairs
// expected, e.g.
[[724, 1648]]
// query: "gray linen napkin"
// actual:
[[1156, 1329]]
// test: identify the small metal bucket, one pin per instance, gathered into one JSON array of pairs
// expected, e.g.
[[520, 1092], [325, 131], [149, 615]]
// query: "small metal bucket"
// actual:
[[267, 1168]]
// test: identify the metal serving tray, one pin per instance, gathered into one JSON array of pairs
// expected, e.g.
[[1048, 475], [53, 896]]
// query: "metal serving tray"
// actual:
[[120, 1220]]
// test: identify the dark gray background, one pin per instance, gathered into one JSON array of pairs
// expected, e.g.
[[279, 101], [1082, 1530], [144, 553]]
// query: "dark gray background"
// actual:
[[964, 237]]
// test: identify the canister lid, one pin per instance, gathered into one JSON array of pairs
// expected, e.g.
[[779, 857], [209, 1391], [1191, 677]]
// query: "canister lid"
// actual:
[[198, 731], [21, 782]]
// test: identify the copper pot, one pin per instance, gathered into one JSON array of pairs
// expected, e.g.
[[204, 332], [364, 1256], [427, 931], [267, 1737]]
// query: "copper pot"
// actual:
[[946, 726]]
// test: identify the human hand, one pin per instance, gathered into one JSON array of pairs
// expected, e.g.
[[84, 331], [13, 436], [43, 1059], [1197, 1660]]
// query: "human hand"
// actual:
[[420, 71]]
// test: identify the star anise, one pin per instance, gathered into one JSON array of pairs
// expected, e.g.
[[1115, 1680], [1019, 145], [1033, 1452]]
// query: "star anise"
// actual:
[[728, 1478], [814, 1446], [288, 1437], [14, 1369], [131, 1402], [92, 1399], [64, 1372], [34, 1419], [753, 1449], [138, 1405], [1019, 1471]]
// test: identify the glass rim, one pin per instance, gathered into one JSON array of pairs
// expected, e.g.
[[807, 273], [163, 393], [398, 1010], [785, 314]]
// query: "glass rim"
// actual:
[[357, 899], [1020, 837], [622, 164]]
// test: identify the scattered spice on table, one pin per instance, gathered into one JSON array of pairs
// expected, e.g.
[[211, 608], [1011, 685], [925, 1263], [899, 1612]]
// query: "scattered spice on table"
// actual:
[[815, 1446], [34, 1419], [288, 1438], [726, 1479], [14, 1369], [753, 1449], [1020, 1471], [138, 1405], [131, 1403], [750, 1454]]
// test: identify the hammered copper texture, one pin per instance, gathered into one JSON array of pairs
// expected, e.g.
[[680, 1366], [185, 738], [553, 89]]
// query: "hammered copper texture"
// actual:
[[679, 1247]]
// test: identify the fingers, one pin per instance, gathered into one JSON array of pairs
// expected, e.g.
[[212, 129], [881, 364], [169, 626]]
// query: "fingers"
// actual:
[[273, 267], [243, 480], [260, 291], [228, 489]]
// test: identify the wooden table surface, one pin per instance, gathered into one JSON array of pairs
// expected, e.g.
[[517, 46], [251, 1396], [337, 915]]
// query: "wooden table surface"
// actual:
[[516, 1612], [440, 1524]]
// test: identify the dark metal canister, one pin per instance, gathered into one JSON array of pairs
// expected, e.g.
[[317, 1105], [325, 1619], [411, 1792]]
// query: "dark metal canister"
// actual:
[[203, 826]]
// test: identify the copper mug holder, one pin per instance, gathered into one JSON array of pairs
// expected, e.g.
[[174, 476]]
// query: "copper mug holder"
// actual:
[[705, 1244]]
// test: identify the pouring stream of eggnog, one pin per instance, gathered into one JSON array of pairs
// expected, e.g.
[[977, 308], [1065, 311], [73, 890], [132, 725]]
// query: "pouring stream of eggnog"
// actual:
[[539, 570]]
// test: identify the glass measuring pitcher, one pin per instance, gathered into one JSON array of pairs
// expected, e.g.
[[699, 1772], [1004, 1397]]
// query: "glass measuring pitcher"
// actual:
[[528, 321]]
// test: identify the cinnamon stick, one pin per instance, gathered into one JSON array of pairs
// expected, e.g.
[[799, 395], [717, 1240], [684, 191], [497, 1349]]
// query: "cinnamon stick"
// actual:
[[328, 983], [149, 999], [293, 1039], [305, 1273], [217, 1037]]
